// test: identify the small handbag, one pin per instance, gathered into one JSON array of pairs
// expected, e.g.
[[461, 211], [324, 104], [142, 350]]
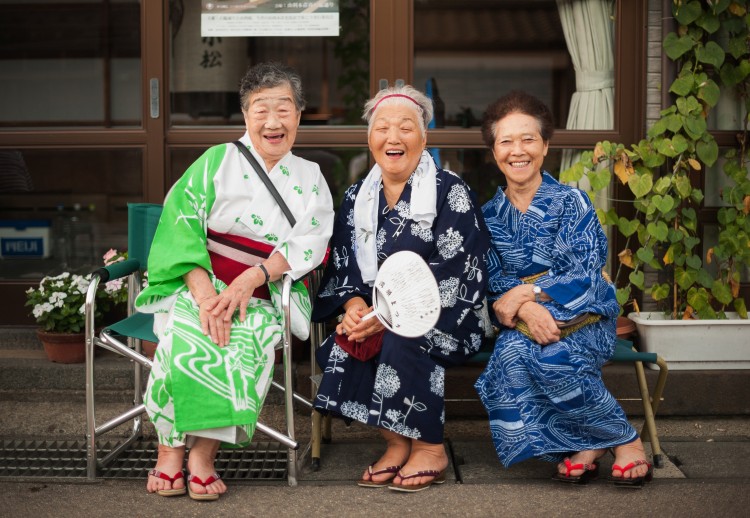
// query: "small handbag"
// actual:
[[364, 350]]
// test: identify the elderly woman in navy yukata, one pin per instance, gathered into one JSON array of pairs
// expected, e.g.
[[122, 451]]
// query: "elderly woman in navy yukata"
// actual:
[[542, 386], [405, 203]]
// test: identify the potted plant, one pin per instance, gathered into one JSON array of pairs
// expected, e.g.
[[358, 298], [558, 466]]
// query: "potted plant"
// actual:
[[57, 306], [695, 288]]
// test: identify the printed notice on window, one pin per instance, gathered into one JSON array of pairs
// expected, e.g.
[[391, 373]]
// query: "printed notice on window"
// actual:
[[270, 18]]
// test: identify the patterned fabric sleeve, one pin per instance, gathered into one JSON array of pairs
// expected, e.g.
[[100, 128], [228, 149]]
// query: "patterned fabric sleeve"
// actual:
[[179, 244], [574, 280], [305, 246], [458, 260], [342, 279]]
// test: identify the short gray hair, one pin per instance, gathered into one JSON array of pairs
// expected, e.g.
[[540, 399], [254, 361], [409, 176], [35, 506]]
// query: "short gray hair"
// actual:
[[270, 75], [405, 95]]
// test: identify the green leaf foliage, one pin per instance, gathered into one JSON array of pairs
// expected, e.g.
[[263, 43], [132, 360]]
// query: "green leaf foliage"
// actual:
[[710, 49], [675, 46]]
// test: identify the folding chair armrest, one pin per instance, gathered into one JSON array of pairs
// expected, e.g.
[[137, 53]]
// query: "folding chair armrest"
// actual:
[[118, 269]]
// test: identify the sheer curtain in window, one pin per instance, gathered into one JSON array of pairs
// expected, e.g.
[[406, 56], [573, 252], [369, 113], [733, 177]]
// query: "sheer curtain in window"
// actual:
[[589, 33]]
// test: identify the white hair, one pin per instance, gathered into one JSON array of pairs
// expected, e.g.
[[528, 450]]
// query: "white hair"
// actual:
[[406, 96]]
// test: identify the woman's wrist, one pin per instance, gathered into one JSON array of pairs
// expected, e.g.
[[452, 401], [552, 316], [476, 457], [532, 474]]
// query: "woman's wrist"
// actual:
[[264, 271]]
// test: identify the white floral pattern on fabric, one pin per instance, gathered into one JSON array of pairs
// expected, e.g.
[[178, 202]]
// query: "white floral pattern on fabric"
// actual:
[[381, 239], [386, 381], [450, 243], [354, 410], [458, 199], [425, 234], [448, 292], [437, 380]]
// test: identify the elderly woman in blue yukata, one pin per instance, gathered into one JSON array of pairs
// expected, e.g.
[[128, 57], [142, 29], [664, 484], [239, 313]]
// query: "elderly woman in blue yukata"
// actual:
[[542, 386], [406, 202]]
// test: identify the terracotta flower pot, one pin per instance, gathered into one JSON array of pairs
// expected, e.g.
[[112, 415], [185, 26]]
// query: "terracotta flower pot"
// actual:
[[63, 347], [148, 348], [625, 327]]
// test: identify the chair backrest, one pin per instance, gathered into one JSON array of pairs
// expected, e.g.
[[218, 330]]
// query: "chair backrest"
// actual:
[[143, 219]]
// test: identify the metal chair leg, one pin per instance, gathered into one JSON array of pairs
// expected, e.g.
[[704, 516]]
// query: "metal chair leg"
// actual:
[[317, 417], [649, 425]]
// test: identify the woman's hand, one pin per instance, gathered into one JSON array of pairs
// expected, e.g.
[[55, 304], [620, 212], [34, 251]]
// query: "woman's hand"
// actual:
[[352, 324], [214, 326], [237, 295], [541, 323], [506, 307]]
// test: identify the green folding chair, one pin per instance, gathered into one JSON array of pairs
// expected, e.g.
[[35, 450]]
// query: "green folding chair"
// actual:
[[625, 352], [125, 338]]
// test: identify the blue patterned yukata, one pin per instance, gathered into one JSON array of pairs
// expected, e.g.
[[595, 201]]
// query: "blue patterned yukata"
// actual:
[[401, 389], [550, 401]]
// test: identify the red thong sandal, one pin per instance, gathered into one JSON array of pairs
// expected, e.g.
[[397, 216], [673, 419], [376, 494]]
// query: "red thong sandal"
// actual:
[[590, 472], [373, 483], [168, 492], [438, 477], [635, 481], [203, 496]]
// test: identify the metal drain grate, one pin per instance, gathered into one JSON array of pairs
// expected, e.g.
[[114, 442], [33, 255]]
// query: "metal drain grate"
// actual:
[[26, 458]]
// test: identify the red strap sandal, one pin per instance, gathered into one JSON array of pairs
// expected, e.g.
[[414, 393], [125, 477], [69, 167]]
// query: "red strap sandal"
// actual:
[[192, 479], [634, 481], [168, 492], [590, 472]]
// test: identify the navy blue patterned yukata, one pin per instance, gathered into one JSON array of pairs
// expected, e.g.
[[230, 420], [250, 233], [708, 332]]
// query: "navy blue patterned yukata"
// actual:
[[550, 401], [401, 389]]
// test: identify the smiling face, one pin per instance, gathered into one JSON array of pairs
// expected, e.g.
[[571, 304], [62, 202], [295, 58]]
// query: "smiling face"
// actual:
[[396, 141], [272, 119], [519, 149]]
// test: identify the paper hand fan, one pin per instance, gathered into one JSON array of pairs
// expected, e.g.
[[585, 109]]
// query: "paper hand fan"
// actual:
[[405, 295]]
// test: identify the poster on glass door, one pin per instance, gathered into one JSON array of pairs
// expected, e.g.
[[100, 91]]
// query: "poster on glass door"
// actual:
[[269, 18]]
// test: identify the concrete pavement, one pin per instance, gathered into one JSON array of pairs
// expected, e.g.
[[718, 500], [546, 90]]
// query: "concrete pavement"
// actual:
[[708, 456], [705, 474]]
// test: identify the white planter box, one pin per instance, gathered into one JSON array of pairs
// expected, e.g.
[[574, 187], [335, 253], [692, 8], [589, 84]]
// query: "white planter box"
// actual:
[[695, 344]]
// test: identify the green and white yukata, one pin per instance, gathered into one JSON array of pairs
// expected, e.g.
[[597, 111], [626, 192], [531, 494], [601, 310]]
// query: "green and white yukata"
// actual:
[[196, 388]]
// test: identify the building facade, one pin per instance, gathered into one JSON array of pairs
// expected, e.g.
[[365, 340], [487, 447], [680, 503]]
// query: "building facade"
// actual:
[[106, 102]]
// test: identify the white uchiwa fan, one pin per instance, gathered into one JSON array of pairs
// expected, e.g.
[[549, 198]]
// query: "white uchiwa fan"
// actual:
[[405, 296]]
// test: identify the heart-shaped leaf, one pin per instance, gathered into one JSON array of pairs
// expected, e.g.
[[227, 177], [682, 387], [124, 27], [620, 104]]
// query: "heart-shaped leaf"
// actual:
[[675, 46], [637, 279], [658, 230], [711, 54], [722, 292], [707, 152], [627, 227], [693, 261], [663, 203], [687, 12], [645, 254], [640, 184]]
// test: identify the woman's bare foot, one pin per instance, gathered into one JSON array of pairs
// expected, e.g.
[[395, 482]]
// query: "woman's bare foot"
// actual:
[[424, 456], [201, 465], [169, 462], [396, 454], [627, 453], [582, 457]]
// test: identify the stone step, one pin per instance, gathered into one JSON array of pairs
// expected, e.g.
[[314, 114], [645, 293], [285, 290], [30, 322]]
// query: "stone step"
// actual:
[[27, 375], [19, 338]]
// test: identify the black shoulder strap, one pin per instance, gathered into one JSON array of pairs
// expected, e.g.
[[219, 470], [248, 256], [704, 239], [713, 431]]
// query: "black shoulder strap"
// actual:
[[266, 180]]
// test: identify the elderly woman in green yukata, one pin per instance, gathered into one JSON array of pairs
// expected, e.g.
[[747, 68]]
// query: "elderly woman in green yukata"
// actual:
[[221, 243]]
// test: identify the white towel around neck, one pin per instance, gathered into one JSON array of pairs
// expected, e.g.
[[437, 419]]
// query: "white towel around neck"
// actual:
[[423, 210]]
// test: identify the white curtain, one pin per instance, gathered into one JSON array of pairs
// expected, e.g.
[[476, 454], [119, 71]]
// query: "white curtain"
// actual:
[[589, 33]]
